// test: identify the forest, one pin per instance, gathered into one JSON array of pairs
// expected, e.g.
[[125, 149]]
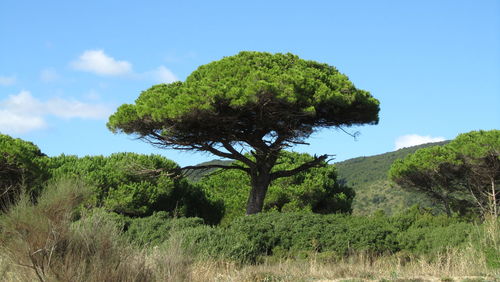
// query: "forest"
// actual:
[[264, 213]]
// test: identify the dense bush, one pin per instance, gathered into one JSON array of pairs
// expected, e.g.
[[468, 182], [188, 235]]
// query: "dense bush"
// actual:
[[420, 232], [316, 190], [137, 185], [297, 234], [157, 228], [20, 168]]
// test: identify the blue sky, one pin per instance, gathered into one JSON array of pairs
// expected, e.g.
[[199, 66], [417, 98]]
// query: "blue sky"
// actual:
[[66, 66]]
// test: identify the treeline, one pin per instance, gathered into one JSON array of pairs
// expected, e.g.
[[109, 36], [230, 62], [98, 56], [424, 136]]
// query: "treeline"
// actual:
[[137, 185], [460, 176]]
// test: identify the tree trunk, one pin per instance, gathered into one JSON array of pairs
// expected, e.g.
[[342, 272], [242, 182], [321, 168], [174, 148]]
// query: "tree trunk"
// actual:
[[494, 210], [447, 207], [260, 182]]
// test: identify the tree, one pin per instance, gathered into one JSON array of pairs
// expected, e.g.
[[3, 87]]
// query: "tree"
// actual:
[[433, 171], [479, 152], [461, 174], [137, 185], [20, 168], [316, 190], [252, 102]]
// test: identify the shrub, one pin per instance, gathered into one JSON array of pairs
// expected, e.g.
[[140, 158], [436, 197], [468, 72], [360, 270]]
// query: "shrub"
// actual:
[[300, 234], [137, 185], [290, 234], [157, 228], [20, 167]]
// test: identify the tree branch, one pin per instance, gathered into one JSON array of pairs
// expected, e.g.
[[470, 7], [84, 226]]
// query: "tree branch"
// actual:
[[317, 162], [353, 135], [235, 155], [196, 167]]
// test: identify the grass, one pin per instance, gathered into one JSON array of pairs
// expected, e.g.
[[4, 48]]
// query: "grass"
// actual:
[[454, 266], [42, 242], [45, 242]]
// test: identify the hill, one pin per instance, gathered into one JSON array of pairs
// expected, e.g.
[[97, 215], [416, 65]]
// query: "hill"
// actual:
[[368, 177]]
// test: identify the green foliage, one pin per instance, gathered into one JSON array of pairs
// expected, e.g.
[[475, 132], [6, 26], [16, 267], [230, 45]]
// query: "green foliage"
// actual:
[[215, 96], [316, 190], [20, 167], [368, 177], [421, 232], [479, 151], [219, 243], [432, 171], [435, 239], [463, 175], [477, 144], [137, 185], [367, 169], [157, 228], [297, 234]]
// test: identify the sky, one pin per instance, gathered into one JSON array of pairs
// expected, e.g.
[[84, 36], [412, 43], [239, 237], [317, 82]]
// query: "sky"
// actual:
[[65, 66]]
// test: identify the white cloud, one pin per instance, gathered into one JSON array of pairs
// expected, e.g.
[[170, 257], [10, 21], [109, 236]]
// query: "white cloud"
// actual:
[[96, 61], [7, 80], [49, 75], [75, 109], [14, 123], [162, 75], [23, 113], [414, 139]]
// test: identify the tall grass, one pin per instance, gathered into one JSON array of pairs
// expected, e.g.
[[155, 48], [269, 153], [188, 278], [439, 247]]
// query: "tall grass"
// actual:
[[453, 265], [42, 242]]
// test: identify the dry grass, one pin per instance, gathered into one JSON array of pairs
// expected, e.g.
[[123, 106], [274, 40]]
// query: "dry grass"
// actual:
[[40, 242], [452, 266]]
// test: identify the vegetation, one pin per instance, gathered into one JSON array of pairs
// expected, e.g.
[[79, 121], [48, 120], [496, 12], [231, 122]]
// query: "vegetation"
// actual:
[[131, 217], [316, 190], [463, 174], [374, 191], [55, 240], [20, 168], [137, 185], [299, 235], [257, 101], [43, 242]]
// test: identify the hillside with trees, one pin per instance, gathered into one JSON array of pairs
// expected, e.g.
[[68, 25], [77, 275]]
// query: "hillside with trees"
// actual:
[[462, 175], [368, 176]]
